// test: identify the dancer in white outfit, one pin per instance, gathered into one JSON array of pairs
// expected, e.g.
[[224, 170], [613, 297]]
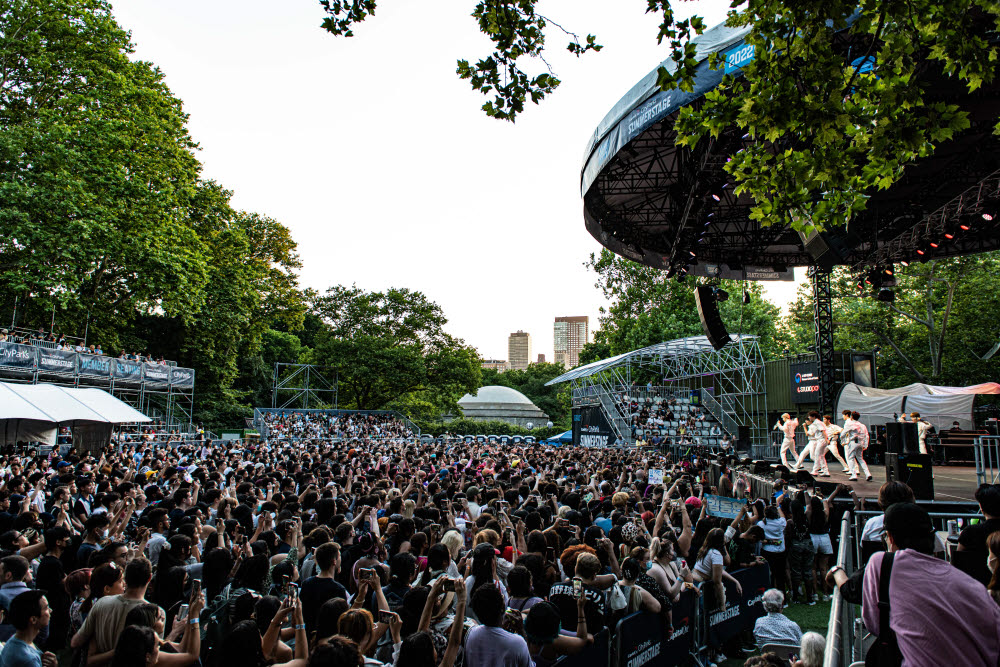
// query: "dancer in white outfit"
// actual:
[[857, 443], [816, 449], [923, 428], [787, 425], [833, 438]]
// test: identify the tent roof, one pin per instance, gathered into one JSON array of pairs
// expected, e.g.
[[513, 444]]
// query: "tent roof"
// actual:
[[918, 389], [49, 403]]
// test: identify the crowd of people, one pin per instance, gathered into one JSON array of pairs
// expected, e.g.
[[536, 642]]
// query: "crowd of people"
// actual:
[[299, 425], [391, 550], [58, 341], [662, 417]]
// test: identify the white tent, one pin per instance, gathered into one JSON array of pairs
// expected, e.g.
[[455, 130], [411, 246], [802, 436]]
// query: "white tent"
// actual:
[[34, 412], [941, 406]]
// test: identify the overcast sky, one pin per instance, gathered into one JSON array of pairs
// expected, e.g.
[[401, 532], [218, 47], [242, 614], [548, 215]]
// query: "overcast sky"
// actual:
[[379, 159]]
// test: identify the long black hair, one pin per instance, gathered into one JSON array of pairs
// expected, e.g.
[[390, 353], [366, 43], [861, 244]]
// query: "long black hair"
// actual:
[[135, 643]]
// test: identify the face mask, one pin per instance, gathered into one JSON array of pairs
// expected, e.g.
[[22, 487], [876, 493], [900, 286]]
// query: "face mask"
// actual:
[[649, 564]]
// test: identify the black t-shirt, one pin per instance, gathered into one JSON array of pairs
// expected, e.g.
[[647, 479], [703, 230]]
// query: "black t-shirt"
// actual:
[[973, 538], [315, 591]]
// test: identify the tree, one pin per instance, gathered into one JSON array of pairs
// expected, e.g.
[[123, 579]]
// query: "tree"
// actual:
[[824, 134], [391, 347], [647, 308], [938, 329]]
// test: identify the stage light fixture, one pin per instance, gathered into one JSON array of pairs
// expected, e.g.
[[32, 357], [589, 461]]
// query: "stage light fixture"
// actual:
[[921, 253], [933, 244], [949, 236], [885, 294], [746, 296], [987, 217], [964, 227], [888, 272], [904, 262], [716, 197], [720, 294], [692, 253]]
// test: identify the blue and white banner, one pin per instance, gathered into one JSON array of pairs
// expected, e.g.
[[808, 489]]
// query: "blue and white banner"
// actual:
[[156, 373], [128, 370], [13, 355], [721, 506], [96, 366], [56, 361]]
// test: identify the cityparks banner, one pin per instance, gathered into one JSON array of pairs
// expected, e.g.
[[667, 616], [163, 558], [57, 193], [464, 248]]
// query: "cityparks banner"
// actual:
[[156, 373], [56, 361], [591, 429], [96, 366], [184, 377], [13, 355], [128, 370], [742, 611], [805, 382]]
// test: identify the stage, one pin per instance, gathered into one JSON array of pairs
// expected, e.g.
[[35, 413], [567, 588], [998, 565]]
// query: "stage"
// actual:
[[957, 483]]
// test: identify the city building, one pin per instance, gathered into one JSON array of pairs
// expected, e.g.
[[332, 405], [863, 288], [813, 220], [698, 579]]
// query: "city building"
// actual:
[[570, 334], [499, 365], [519, 350], [541, 358]]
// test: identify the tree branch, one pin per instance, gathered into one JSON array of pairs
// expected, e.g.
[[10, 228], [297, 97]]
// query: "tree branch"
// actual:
[[925, 323]]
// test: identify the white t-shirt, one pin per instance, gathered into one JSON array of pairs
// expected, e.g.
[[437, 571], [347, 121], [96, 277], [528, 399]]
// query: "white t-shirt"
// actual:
[[713, 557], [774, 531]]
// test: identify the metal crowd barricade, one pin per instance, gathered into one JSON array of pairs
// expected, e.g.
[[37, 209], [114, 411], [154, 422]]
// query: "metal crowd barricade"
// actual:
[[841, 646], [987, 452], [938, 519]]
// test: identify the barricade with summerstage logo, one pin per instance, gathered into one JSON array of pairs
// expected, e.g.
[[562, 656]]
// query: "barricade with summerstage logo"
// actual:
[[641, 639], [598, 653]]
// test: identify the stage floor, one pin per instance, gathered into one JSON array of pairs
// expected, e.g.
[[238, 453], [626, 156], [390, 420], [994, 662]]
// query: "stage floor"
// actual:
[[950, 482]]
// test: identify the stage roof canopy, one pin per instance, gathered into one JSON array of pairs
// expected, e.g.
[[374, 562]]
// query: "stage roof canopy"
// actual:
[[669, 350]]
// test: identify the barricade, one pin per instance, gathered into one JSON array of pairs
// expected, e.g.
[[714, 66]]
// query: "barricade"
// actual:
[[840, 637], [598, 653], [742, 611], [639, 640], [987, 451]]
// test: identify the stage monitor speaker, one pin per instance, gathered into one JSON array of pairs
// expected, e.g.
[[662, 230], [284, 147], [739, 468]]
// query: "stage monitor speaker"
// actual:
[[901, 438], [711, 320], [742, 438], [914, 470], [761, 468], [827, 249]]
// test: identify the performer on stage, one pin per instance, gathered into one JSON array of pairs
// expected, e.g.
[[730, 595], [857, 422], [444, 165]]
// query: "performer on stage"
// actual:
[[787, 425], [833, 432], [816, 449], [857, 443], [923, 428]]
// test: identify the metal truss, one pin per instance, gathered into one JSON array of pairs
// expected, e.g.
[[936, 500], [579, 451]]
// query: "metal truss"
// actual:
[[823, 317], [303, 386], [735, 375]]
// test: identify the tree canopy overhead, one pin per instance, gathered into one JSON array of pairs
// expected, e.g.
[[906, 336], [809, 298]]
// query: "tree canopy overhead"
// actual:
[[826, 134]]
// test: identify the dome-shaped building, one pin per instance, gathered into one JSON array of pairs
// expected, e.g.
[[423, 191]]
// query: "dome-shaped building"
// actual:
[[497, 403]]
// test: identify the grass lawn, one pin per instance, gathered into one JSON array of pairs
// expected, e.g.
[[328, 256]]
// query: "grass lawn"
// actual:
[[813, 619]]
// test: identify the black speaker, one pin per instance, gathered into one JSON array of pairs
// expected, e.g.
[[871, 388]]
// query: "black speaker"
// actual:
[[901, 438], [742, 437], [827, 249], [711, 320], [761, 467], [914, 470]]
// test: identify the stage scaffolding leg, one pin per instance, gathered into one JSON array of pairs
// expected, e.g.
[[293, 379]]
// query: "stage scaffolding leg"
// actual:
[[823, 317]]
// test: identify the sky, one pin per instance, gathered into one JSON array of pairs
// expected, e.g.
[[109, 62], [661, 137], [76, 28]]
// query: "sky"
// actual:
[[379, 159]]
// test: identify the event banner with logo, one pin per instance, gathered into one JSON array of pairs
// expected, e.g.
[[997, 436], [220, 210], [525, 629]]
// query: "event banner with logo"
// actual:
[[56, 361], [13, 355], [128, 370], [156, 373], [641, 640], [742, 611], [805, 382], [591, 429], [184, 377]]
